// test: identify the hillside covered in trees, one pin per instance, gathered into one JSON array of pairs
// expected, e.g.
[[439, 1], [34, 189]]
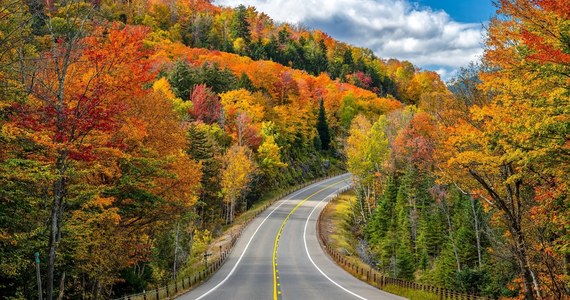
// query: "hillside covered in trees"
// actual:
[[131, 132], [469, 189]]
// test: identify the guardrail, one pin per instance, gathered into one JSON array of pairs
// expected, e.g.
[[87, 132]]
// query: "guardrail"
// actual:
[[184, 285], [374, 277]]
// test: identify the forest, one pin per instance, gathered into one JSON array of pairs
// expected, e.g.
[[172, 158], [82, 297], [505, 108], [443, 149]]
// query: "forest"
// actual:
[[133, 132]]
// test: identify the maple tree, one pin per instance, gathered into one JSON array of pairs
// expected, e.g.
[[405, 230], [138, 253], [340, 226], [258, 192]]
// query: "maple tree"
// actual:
[[206, 105], [75, 115], [508, 151]]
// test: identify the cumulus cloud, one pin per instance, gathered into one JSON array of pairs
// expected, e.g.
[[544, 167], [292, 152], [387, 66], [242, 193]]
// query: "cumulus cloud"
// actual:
[[391, 28]]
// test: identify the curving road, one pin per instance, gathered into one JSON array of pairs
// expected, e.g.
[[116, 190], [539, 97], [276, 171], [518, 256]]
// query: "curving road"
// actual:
[[279, 257]]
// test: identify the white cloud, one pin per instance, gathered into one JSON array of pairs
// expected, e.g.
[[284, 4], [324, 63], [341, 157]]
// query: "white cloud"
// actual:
[[391, 28]]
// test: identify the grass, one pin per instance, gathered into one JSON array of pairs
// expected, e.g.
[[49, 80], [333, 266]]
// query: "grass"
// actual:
[[410, 293], [338, 214]]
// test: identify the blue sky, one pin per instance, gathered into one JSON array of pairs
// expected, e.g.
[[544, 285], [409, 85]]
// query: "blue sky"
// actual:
[[439, 35], [469, 11]]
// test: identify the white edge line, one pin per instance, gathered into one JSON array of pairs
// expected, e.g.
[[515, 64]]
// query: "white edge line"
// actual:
[[255, 232], [311, 259]]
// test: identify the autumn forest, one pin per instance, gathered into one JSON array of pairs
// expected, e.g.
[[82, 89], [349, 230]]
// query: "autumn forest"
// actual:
[[132, 133]]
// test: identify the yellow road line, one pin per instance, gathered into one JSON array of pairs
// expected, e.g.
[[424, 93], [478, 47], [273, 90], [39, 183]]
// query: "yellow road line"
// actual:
[[274, 257]]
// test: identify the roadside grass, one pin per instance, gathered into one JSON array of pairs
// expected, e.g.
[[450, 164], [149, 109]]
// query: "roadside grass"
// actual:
[[410, 293], [338, 213]]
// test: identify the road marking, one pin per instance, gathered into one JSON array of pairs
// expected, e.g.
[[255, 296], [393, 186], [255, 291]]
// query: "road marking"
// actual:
[[251, 239], [276, 243], [311, 259]]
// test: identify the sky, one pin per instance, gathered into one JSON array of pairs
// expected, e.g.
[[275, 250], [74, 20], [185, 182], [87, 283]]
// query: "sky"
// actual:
[[438, 35]]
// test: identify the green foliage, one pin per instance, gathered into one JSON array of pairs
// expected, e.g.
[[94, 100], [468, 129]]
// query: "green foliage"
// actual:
[[183, 78], [410, 238], [240, 26], [348, 110], [323, 128], [405, 263], [245, 82], [180, 78]]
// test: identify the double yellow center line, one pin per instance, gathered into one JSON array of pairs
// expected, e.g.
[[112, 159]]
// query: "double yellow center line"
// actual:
[[276, 291]]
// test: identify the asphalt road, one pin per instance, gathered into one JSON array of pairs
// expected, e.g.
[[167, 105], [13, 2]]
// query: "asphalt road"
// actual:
[[278, 256]]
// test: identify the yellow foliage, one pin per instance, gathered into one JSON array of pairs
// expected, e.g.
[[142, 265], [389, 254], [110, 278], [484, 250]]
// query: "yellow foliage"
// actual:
[[268, 153], [163, 86], [243, 101]]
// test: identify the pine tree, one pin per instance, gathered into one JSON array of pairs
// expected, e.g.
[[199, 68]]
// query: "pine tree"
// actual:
[[244, 82], [219, 79], [381, 232], [405, 262], [323, 127], [199, 148], [181, 80], [240, 26]]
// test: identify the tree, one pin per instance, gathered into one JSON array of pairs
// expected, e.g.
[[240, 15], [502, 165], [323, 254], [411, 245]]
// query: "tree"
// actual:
[[245, 82], [181, 80], [74, 116], [323, 127], [508, 164], [236, 175], [367, 151], [206, 105], [240, 26]]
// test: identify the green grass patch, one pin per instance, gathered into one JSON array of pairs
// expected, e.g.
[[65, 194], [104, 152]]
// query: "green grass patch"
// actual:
[[338, 214], [410, 293]]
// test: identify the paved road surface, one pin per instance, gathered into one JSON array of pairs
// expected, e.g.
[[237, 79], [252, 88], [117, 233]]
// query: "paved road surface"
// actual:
[[286, 234]]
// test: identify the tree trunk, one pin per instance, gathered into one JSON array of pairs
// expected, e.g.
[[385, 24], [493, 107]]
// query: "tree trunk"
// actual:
[[58, 197], [451, 236], [232, 209], [530, 281], [175, 250], [61, 287], [52, 246], [476, 228]]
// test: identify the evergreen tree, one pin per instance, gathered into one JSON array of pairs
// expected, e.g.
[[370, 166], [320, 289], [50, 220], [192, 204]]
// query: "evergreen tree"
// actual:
[[181, 80], [239, 25], [202, 149], [218, 79], [199, 147], [323, 127], [405, 262], [244, 82], [321, 62], [445, 269]]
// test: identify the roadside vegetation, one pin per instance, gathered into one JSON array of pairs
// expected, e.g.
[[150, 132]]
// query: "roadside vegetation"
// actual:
[[133, 133]]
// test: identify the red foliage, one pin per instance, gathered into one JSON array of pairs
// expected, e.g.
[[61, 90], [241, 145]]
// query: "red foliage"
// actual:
[[416, 141], [206, 105], [109, 66], [362, 80], [560, 7], [247, 134], [544, 52], [284, 87]]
